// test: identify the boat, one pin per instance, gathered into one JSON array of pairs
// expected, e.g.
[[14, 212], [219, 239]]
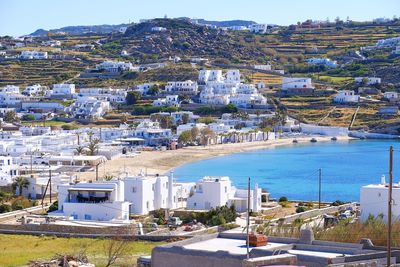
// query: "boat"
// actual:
[[334, 138], [313, 140], [295, 141]]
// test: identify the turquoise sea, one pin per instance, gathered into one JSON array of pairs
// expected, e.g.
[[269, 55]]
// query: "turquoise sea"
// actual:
[[292, 171]]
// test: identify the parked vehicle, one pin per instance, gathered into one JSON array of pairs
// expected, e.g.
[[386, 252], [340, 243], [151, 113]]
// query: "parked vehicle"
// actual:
[[174, 222]]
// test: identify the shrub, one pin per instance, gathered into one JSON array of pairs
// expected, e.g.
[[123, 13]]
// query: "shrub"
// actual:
[[300, 209], [337, 203], [20, 203], [283, 199], [69, 126], [53, 206], [5, 208], [28, 117]]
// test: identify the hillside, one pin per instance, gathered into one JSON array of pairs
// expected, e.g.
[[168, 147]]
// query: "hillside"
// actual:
[[185, 39], [79, 30]]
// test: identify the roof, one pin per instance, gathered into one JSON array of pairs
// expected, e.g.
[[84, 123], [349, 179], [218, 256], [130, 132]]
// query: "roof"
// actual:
[[90, 189]]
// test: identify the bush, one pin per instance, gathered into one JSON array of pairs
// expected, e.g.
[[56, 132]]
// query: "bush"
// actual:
[[69, 126], [283, 199], [217, 220], [53, 206], [337, 203], [28, 117], [230, 108], [5, 208], [20, 203], [300, 209]]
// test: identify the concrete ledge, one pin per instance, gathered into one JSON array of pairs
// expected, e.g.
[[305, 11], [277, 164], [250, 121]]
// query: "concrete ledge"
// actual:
[[282, 259]]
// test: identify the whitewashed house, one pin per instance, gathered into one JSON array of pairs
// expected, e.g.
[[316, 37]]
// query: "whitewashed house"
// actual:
[[8, 170], [258, 28], [390, 42], [42, 106], [158, 29], [33, 90], [88, 108], [346, 96], [391, 96], [63, 90], [152, 133], [169, 100], [112, 95], [115, 66], [211, 192], [99, 201], [10, 96], [188, 126], [51, 43], [145, 87], [297, 85], [374, 200], [262, 67], [206, 76], [33, 55], [187, 87], [322, 61], [370, 80], [178, 117]]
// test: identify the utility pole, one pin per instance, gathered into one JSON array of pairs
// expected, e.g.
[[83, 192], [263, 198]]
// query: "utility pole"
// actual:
[[248, 220], [319, 188], [50, 182], [390, 202], [97, 171]]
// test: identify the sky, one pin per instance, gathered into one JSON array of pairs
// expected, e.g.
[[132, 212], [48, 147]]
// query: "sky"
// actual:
[[19, 17]]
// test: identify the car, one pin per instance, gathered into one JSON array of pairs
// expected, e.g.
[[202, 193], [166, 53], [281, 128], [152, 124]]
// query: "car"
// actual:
[[174, 222]]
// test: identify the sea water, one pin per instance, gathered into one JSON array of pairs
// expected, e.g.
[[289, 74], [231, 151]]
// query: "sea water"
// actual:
[[293, 170]]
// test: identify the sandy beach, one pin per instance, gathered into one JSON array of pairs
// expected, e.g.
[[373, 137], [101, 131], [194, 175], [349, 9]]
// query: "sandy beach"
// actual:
[[161, 162]]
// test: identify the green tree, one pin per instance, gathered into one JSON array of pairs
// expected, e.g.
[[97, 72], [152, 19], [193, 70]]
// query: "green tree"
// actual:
[[230, 108], [132, 97], [185, 118], [79, 150], [108, 177], [5, 208], [166, 122], [20, 182], [185, 137], [53, 206], [154, 90], [28, 117], [10, 116], [93, 146], [195, 133]]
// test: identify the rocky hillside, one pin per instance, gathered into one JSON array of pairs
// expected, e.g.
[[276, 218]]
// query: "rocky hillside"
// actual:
[[184, 39]]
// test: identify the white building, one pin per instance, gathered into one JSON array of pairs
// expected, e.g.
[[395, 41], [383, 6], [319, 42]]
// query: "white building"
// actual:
[[169, 100], [10, 96], [346, 96], [145, 87], [374, 200], [112, 95], [115, 66], [33, 90], [322, 61], [33, 55], [51, 43], [370, 80], [212, 192], [8, 170], [88, 108], [63, 90], [187, 87], [396, 51], [258, 28], [262, 67], [206, 76], [99, 201], [297, 85], [390, 42], [158, 29], [152, 133], [391, 96]]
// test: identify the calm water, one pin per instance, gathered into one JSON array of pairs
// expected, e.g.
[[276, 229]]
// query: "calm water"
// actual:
[[292, 171]]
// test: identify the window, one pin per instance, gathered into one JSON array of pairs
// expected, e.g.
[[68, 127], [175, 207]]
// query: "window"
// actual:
[[152, 187], [194, 204], [226, 189], [133, 189], [147, 205]]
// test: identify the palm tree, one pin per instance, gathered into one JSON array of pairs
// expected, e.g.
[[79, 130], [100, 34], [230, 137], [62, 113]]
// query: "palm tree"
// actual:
[[108, 177], [90, 134], [20, 182], [92, 147], [78, 135], [79, 150]]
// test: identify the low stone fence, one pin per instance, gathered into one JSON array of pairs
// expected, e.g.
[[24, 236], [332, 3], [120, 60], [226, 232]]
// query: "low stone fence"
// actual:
[[314, 213], [19, 213]]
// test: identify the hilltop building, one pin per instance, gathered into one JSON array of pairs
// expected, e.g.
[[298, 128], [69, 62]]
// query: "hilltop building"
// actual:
[[297, 86], [346, 96]]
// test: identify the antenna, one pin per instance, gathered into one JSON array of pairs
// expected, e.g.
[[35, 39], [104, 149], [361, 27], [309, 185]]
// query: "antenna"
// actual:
[[390, 202]]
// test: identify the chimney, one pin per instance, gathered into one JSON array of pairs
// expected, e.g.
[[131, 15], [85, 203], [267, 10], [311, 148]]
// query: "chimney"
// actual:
[[383, 180]]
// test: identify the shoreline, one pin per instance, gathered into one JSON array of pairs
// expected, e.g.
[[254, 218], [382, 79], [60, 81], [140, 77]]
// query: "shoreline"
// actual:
[[162, 162]]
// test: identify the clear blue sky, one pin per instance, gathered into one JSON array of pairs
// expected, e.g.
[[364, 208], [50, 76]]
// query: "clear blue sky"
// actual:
[[18, 17]]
